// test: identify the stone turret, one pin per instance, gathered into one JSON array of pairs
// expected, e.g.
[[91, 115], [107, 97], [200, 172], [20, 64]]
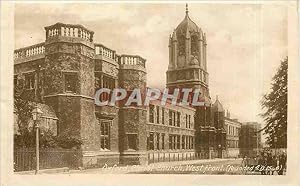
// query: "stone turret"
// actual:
[[133, 119], [69, 80]]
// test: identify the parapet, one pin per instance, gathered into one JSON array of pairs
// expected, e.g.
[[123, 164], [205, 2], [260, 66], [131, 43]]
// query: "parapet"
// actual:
[[29, 53], [132, 62], [105, 53], [69, 30]]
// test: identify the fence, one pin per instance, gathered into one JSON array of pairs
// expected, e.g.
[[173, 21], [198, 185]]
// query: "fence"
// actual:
[[25, 159], [154, 157]]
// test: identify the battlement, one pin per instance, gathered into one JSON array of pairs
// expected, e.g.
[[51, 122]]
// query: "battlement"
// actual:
[[31, 52], [69, 30]]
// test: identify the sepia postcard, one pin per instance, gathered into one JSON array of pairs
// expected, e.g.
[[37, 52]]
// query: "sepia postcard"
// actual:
[[149, 93]]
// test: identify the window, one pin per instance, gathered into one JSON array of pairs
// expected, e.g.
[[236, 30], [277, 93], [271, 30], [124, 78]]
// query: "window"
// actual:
[[151, 113], [107, 82], [105, 135], [192, 142], [157, 114], [104, 81], [194, 44], [178, 119], [29, 80], [178, 141], [162, 141], [189, 121], [171, 142], [170, 117], [132, 141], [186, 121], [187, 142], [151, 141], [174, 142], [70, 82], [181, 45], [157, 141], [174, 118], [183, 142]]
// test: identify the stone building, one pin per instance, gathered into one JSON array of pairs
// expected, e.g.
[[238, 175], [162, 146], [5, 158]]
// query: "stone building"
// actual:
[[233, 130], [250, 139], [65, 70]]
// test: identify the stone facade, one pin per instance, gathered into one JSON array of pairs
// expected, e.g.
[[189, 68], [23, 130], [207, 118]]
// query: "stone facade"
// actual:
[[66, 70], [233, 131]]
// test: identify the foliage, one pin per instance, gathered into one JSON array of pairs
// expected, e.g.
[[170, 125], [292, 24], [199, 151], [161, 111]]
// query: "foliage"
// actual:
[[274, 105], [25, 137], [23, 110], [46, 140]]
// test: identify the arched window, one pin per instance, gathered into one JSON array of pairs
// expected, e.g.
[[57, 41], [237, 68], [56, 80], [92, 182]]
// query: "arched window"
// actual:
[[194, 45]]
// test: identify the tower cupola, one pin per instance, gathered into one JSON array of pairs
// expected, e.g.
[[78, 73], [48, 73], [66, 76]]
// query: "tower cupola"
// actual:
[[187, 55]]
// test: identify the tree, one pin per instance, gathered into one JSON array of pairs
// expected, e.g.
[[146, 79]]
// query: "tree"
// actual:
[[274, 105], [23, 111], [25, 137]]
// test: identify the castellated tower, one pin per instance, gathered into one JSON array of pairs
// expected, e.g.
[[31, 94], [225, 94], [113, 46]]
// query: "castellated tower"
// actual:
[[132, 119], [69, 80], [188, 69]]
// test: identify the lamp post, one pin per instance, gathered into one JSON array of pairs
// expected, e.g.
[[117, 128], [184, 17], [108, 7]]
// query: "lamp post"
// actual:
[[36, 114]]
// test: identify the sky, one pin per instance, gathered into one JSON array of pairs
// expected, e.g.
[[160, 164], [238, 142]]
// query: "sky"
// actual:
[[245, 41]]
